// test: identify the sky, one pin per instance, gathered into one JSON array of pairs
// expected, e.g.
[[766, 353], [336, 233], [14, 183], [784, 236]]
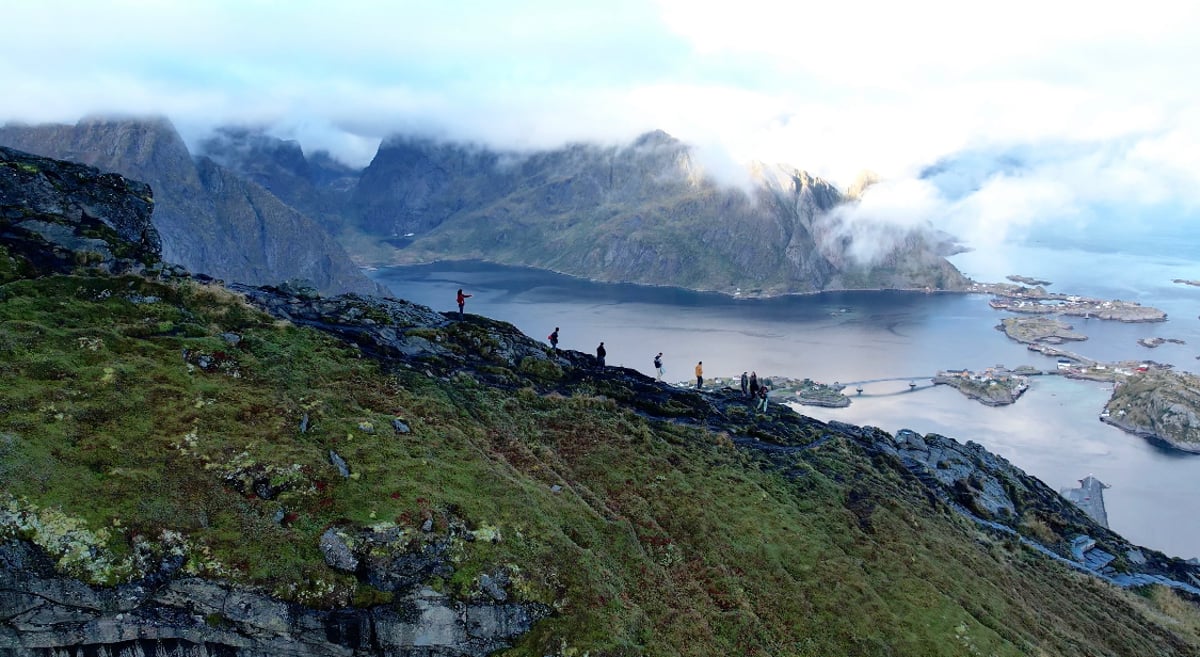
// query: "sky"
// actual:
[[989, 120]]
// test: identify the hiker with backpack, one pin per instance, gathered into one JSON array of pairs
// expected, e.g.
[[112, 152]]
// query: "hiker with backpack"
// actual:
[[553, 338], [601, 352], [658, 366]]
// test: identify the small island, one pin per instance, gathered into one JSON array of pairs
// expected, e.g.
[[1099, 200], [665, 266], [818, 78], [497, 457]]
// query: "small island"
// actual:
[[1037, 301], [994, 386], [812, 393], [1184, 281], [1026, 280], [1158, 404], [1154, 343], [1045, 330]]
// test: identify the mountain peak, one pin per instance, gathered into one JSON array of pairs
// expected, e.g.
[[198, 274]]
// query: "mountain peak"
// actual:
[[655, 138]]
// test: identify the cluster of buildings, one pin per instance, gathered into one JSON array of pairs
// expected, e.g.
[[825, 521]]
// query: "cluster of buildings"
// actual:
[[999, 375]]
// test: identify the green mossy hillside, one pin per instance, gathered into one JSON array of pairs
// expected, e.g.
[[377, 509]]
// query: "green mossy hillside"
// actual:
[[141, 419]]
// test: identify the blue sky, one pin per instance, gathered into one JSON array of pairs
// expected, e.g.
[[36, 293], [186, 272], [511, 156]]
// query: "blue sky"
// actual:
[[1097, 99]]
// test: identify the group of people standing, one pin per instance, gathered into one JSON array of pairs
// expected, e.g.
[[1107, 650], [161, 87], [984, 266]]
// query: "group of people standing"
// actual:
[[755, 391], [751, 388]]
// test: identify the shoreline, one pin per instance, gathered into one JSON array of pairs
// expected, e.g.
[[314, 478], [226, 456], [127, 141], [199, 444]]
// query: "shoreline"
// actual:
[[1152, 437], [732, 296]]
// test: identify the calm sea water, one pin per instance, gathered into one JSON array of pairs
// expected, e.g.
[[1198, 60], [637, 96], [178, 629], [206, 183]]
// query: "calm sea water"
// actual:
[[1052, 432]]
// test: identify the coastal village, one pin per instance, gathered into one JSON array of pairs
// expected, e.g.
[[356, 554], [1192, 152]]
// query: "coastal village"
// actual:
[[1039, 327], [1148, 399]]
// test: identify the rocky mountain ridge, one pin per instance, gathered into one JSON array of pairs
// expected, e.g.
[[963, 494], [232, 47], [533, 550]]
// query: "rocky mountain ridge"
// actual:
[[210, 221], [262, 470], [644, 212]]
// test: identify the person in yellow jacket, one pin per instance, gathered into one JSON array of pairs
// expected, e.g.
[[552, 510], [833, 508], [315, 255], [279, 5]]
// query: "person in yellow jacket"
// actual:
[[699, 375]]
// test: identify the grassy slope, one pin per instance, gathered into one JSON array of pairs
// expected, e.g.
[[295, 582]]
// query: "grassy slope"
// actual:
[[664, 540]]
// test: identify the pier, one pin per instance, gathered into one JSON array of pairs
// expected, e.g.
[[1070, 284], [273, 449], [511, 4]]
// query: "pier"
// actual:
[[1089, 497]]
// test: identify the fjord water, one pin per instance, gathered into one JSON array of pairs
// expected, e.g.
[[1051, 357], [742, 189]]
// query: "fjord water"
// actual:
[[1052, 432]]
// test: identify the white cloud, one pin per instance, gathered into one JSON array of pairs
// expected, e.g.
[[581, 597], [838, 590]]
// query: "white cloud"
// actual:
[[1096, 96]]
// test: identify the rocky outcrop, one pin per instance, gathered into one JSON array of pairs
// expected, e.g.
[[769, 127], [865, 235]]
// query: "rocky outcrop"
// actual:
[[1160, 405], [210, 222], [42, 614], [998, 495], [57, 216]]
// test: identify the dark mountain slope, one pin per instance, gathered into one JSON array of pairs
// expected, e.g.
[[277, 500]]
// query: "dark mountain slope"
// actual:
[[641, 213], [316, 185], [229, 237]]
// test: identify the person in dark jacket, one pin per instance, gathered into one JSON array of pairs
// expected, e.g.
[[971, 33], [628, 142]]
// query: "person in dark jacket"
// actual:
[[744, 393], [554, 339], [753, 385], [658, 366], [601, 352], [462, 300], [762, 396]]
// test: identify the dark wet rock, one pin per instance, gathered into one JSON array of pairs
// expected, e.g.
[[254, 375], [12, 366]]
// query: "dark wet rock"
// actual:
[[493, 585], [56, 217], [46, 615], [339, 463], [300, 288], [337, 552]]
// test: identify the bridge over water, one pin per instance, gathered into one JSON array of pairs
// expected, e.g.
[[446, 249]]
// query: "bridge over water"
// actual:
[[912, 385]]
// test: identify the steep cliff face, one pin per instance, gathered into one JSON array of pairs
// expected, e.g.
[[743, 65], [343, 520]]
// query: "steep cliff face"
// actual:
[[317, 185], [644, 213], [226, 237]]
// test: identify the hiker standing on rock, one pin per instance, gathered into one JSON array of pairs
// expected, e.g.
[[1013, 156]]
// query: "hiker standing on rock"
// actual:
[[658, 366], [699, 375], [601, 352], [462, 299], [553, 338], [762, 395], [744, 384], [753, 385]]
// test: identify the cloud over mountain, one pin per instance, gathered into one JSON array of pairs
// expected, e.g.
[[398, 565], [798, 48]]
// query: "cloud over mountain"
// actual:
[[1091, 95]]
